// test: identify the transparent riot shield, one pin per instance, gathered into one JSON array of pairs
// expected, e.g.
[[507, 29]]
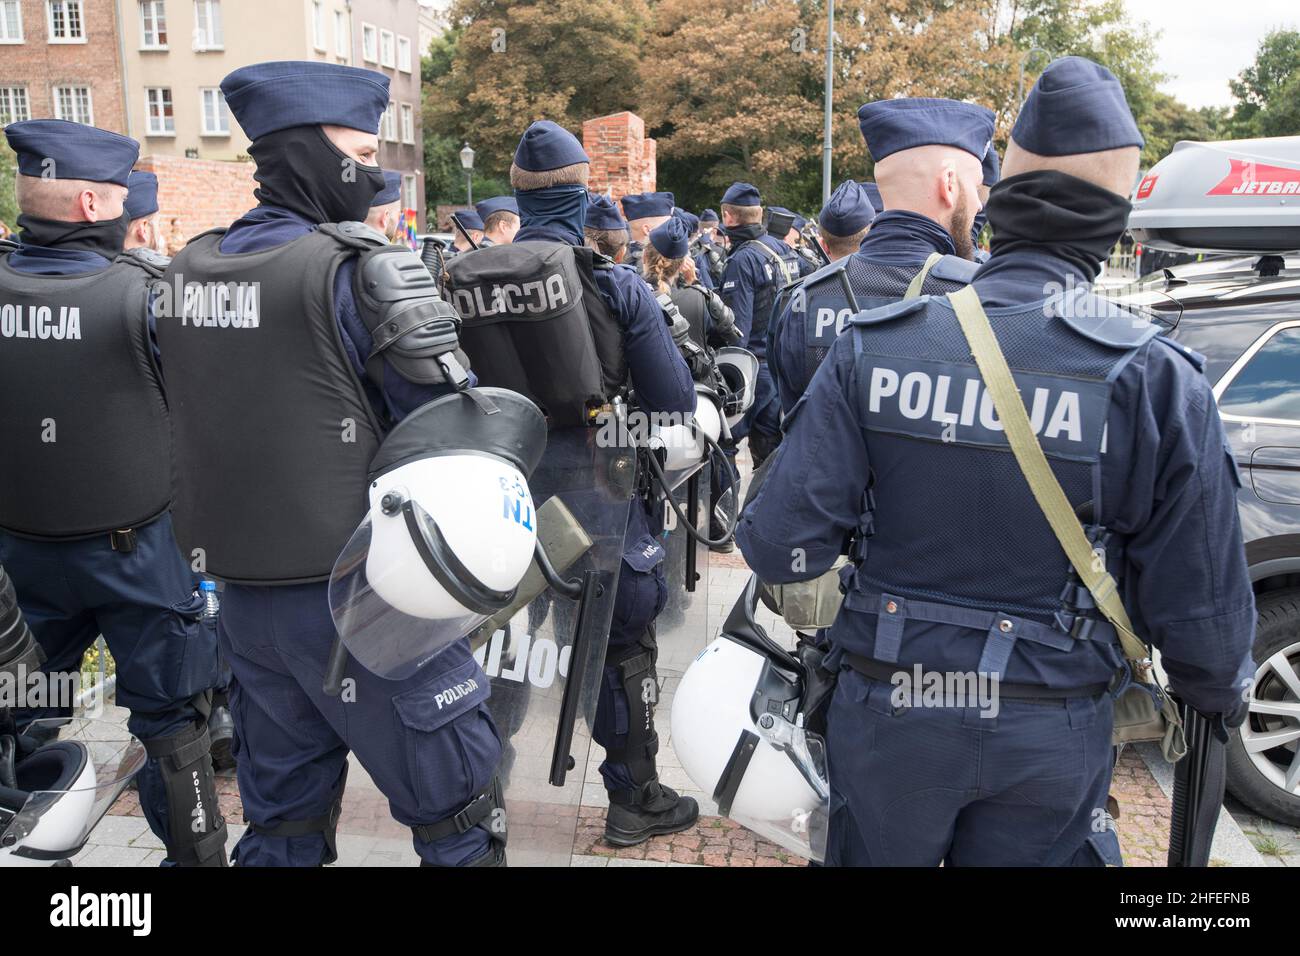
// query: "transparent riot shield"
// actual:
[[683, 627], [544, 660]]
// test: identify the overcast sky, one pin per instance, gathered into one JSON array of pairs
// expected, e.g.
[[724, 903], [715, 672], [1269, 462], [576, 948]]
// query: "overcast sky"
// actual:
[[1205, 43]]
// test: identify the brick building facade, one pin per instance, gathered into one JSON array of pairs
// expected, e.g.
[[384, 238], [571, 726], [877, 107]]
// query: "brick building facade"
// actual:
[[622, 156], [195, 195]]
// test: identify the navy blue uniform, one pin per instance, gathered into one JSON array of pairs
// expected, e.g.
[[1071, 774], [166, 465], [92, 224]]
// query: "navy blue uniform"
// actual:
[[950, 547], [292, 741]]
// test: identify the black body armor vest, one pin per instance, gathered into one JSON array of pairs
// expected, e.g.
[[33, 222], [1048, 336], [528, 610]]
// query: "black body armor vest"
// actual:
[[274, 433], [85, 445]]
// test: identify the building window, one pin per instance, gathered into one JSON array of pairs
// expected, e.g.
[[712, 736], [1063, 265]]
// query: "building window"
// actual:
[[318, 26], [404, 54], [369, 43], [340, 34], [408, 123], [216, 117], [390, 122], [386, 55], [207, 25], [11, 21], [153, 25], [65, 21], [158, 111], [409, 195], [13, 105], [73, 103]]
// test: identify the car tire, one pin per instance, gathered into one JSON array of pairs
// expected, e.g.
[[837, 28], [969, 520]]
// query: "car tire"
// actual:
[[1256, 779]]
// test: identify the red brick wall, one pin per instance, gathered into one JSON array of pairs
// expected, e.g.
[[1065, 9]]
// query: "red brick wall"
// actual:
[[622, 158], [199, 193], [40, 65]]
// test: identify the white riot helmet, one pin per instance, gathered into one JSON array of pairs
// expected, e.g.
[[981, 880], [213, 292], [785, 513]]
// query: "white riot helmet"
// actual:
[[739, 368], [683, 443], [57, 779], [738, 727], [450, 532]]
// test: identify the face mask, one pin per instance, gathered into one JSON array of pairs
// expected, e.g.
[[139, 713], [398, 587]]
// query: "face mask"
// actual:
[[104, 238], [299, 169]]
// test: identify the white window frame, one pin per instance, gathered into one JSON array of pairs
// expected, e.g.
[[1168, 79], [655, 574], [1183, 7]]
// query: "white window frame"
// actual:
[[17, 7], [371, 31], [68, 6], [204, 129], [410, 192], [152, 115], [404, 46], [318, 26], [158, 9], [212, 17], [340, 34], [90, 104], [407, 123], [387, 49], [9, 96], [390, 122]]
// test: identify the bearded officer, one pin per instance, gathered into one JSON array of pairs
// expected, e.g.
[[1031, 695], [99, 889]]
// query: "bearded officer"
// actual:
[[386, 208], [86, 476], [928, 155], [549, 176], [957, 572], [500, 216], [273, 452], [644, 212]]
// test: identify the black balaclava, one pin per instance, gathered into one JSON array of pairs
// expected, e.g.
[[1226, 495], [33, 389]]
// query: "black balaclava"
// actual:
[[299, 169], [104, 238], [1058, 214]]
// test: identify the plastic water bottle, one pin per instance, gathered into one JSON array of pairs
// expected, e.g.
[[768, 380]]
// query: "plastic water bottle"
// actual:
[[211, 603]]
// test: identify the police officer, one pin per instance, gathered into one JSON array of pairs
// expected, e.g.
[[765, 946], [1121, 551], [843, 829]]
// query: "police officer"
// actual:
[[86, 474], [500, 217], [323, 337], [757, 268], [992, 172], [644, 211], [386, 208], [470, 230], [712, 324], [873, 193], [605, 228], [928, 155], [549, 176], [698, 271], [844, 220], [142, 210], [711, 245], [956, 571]]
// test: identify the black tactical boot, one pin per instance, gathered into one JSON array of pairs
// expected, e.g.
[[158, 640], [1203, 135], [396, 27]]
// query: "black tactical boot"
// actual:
[[653, 810]]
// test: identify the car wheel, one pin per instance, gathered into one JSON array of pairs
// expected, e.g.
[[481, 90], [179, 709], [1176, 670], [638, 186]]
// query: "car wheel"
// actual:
[[1264, 755]]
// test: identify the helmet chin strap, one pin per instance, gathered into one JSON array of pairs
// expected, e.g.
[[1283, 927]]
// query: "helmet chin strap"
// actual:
[[447, 569]]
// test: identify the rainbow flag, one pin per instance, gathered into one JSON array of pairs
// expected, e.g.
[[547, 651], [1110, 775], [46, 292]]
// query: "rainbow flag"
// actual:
[[408, 228]]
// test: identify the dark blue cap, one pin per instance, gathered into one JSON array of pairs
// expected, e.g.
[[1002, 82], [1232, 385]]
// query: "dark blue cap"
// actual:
[[873, 194], [546, 145], [602, 213], [708, 216], [496, 204], [266, 97], [670, 239], [468, 219], [142, 195], [647, 205], [392, 191], [1076, 106], [890, 126], [848, 211], [61, 149], [992, 167], [691, 221], [741, 194], [799, 222]]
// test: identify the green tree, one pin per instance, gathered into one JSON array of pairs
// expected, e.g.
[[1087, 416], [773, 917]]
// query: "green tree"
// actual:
[[1268, 91], [1169, 120]]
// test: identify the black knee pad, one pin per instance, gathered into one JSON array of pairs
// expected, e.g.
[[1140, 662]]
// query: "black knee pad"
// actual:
[[635, 666], [327, 824], [196, 830]]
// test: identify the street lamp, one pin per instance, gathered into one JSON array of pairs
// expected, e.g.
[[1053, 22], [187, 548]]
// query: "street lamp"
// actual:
[[467, 160], [829, 91]]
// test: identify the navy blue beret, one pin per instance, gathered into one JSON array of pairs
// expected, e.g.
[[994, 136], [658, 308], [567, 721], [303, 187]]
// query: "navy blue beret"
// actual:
[[708, 216], [142, 195], [602, 213], [392, 191], [873, 194], [468, 219], [647, 205], [266, 97], [992, 167], [741, 194], [496, 204], [1076, 106], [546, 145], [61, 149], [890, 126], [848, 211], [670, 239]]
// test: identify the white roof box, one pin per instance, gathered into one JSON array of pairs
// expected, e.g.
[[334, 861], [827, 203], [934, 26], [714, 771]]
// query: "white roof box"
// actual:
[[1234, 196]]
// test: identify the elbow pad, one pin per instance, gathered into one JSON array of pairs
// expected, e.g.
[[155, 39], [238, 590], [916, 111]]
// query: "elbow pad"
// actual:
[[412, 326], [722, 321]]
